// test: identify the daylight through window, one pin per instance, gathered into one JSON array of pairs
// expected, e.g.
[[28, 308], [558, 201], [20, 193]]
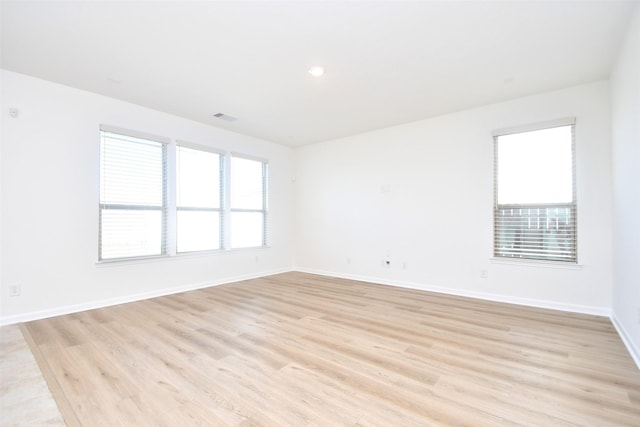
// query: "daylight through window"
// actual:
[[535, 196], [132, 196], [159, 198], [199, 200], [248, 202]]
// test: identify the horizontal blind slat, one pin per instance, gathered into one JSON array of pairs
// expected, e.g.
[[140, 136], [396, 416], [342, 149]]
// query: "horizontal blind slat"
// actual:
[[132, 196]]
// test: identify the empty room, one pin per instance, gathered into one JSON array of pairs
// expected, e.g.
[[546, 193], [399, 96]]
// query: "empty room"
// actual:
[[320, 213]]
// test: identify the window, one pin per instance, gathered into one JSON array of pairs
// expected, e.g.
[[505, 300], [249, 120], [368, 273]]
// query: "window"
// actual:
[[535, 193], [199, 199], [160, 198], [132, 195], [248, 202]]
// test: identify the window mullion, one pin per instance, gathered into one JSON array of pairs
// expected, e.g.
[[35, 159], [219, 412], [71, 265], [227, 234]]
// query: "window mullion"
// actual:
[[171, 200], [265, 194], [226, 202]]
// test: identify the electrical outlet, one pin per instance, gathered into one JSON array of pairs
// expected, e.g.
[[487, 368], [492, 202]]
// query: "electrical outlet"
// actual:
[[14, 290], [484, 274]]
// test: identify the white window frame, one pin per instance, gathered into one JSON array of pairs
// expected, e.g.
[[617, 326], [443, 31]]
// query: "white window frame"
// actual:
[[265, 199], [105, 129], [223, 190], [535, 211], [170, 205]]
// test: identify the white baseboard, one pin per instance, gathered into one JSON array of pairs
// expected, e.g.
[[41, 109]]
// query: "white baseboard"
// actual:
[[574, 308], [59, 311], [598, 311], [626, 339], [634, 351]]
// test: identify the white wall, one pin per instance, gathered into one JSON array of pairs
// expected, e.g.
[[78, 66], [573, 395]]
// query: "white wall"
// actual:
[[418, 194], [421, 195], [50, 157], [625, 106]]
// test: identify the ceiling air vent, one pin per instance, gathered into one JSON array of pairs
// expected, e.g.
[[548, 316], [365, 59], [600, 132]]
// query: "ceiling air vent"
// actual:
[[225, 117]]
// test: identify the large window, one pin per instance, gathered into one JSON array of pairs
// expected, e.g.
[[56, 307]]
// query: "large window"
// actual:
[[248, 202], [535, 193], [159, 197], [132, 196], [199, 199]]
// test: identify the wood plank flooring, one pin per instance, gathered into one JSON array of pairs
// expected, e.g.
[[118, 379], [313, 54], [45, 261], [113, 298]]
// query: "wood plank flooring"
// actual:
[[299, 350]]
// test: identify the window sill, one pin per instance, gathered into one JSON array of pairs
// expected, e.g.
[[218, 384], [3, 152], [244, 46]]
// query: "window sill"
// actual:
[[175, 257], [536, 263], [129, 261]]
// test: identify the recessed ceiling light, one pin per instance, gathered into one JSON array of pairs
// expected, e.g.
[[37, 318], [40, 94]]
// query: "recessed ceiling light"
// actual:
[[316, 71]]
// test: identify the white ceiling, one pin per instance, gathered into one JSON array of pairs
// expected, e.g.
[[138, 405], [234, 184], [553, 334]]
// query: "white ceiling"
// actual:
[[386, 63]]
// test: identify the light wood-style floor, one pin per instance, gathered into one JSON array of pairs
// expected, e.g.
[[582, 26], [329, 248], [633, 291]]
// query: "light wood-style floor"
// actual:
[[297, 350]]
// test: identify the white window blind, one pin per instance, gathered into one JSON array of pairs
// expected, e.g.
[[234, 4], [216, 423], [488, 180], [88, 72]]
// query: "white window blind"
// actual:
[[199, 199], [132, 196], [248, 202], [535, 211]]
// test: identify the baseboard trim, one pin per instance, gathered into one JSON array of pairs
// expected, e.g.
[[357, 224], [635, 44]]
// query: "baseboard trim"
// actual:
[[75, 308], [626, 339], [574, 308], [58, 311]]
